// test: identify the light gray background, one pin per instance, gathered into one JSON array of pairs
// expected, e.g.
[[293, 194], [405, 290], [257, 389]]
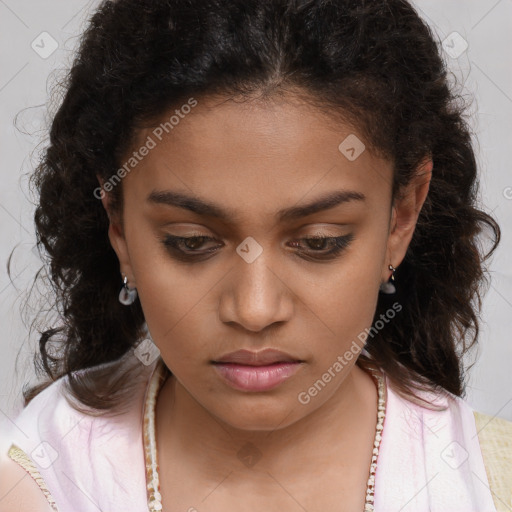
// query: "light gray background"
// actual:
[[484, 70]]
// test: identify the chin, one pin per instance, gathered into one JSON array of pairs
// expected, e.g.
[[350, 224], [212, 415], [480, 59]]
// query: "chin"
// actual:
[[259, 416]]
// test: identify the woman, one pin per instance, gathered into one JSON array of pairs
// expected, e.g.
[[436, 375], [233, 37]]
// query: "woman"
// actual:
[[260, 223]]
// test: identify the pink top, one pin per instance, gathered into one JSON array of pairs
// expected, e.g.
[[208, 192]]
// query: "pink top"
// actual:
[[428, 461], [431, 461]]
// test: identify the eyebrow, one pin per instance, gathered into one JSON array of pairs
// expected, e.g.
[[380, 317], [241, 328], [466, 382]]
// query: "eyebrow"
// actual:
[[209, 209]]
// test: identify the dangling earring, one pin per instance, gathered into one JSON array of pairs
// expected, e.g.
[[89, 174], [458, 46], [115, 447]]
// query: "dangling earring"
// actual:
[[389, 287], [127, 296]]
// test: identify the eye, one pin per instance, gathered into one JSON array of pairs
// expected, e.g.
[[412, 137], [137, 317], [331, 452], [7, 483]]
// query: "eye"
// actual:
[[188, 245], [325, 247], [317, 247]]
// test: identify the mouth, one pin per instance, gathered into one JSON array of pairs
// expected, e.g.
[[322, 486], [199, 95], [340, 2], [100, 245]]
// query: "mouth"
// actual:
[[262, 358], [256, 371]]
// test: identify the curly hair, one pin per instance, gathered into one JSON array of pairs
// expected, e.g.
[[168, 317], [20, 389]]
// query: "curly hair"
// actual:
[[375, 64]]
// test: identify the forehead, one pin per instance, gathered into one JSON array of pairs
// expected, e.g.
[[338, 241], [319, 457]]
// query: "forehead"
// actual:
[[240, 154]]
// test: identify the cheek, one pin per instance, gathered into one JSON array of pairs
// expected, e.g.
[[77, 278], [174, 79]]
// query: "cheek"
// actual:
[[173, 306], [178, 302], [342, 305], [343, 311]]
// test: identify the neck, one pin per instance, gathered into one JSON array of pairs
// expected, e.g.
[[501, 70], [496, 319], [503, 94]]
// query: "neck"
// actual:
[[190, 433]]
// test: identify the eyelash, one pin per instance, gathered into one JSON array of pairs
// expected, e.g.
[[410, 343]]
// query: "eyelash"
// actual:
[[338, 244]]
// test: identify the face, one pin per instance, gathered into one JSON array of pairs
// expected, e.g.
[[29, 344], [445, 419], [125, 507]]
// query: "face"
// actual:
[[248, 184]]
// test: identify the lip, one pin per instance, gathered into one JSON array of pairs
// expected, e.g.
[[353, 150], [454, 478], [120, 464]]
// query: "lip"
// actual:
[[256, 378], [264, 357], [245, 370]]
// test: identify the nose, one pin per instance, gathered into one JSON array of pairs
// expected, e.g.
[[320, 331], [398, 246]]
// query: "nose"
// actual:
[[256, 296]]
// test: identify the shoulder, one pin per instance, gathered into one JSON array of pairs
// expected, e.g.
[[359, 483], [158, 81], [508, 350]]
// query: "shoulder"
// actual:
[[48, 415], [54, 445], [19, 490], [56, 414], [463, 452], [30, 446]]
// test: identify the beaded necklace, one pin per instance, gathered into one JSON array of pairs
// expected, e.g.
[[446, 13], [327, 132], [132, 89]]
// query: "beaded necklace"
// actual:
[[149, 432]]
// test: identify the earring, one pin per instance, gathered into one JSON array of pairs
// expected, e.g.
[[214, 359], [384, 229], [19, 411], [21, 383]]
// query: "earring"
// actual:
[[127, 296], [389, 287]]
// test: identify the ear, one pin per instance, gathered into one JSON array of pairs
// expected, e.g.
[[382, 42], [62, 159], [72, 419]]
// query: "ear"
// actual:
[[116, 236], [405, 213]]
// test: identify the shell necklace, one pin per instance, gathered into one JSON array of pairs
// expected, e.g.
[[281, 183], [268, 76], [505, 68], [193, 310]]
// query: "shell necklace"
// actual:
[[152, 479]]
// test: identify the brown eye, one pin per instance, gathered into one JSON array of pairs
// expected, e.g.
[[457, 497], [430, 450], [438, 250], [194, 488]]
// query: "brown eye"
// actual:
[[189, 248], [194, 242], [197, 248], [319, 247], [318, 243]]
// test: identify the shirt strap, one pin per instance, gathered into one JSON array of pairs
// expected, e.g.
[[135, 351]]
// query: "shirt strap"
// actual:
[[20, 457]]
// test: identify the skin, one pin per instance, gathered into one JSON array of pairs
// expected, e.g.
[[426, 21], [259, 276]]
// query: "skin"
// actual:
[[19, 492], [256, 158]]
